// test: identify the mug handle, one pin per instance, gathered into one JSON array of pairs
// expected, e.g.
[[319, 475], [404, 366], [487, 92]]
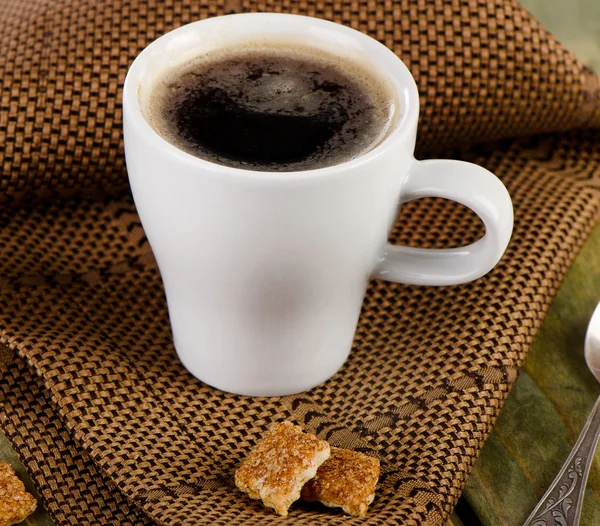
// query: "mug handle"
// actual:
[[472, 186]]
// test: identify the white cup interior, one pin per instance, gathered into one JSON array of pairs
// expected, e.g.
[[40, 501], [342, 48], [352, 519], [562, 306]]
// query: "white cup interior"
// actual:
[[183, 44]]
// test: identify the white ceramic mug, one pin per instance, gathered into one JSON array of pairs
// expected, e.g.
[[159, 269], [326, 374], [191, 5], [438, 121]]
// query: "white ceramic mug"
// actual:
[[265, 272]]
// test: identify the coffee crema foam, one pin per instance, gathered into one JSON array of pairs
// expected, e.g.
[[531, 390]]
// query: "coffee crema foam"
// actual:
[[273, 108]]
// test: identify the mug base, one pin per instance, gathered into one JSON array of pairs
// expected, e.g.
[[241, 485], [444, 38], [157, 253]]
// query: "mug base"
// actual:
[[279, 387]]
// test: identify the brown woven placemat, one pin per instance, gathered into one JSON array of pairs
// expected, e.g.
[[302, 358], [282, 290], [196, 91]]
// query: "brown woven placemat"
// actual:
[[95, 401]]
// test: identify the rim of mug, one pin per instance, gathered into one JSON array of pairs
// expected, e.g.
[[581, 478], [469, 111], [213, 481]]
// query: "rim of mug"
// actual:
[[404, 85]]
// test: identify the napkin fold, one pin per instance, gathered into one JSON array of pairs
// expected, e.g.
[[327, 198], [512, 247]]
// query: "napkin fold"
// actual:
[[110, 424]]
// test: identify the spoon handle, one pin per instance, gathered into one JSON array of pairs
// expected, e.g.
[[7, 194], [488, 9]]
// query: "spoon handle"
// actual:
[[561, 504]]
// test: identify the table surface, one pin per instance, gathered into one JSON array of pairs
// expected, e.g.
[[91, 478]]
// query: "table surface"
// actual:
[[554, 393]]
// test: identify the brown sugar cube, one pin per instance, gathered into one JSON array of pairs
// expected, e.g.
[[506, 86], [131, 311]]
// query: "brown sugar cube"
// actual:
[[279, 465], [15, 503], [347, 480]]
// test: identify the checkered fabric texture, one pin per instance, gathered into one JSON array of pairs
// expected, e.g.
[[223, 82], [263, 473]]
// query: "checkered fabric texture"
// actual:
[[111, 426]]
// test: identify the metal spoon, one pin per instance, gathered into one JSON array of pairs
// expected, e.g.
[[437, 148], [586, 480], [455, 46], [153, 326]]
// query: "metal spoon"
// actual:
[[561, 504]]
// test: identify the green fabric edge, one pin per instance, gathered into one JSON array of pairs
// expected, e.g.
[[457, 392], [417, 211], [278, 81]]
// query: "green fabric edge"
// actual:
[[546, 410]]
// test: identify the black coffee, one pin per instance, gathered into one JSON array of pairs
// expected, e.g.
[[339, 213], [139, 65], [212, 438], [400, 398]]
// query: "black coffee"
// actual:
[[272, 109]]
